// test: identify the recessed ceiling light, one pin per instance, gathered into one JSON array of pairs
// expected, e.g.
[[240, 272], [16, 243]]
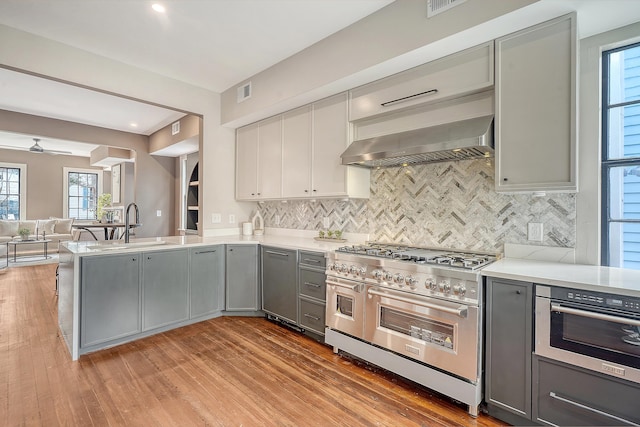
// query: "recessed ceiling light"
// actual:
[[158, 7], [133, 125]]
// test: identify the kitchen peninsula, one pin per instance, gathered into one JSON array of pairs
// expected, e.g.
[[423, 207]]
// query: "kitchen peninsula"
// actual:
[[111, 292]]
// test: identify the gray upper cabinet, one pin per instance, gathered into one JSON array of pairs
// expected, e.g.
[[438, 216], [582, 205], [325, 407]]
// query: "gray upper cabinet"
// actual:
[[296, 153], [109, 284], [259, 160], [165, 284], [330, 138], [303, 158], [206, 271], [452, 76], [535, 123], [279, 283], [242, 290], [509, 346]]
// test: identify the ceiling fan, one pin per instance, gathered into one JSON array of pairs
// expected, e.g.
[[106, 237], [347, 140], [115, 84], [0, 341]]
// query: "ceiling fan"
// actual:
[[36, 148]]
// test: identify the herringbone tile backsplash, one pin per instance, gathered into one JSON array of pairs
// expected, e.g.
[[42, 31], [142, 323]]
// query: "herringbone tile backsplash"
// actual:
[[450, 204]]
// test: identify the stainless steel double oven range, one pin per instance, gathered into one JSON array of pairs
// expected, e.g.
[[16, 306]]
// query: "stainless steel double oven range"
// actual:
[[413, 311]]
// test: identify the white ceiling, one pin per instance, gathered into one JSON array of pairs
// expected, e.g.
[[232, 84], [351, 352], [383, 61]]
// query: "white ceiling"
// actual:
[[214, 44]]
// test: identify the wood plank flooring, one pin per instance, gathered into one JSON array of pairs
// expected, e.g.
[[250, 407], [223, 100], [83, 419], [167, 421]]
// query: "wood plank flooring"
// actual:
[[228, 371]]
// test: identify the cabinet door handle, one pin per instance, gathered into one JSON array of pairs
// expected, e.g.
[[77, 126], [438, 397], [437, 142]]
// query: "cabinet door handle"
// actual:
[[315, 285], [410, 97], [148, 257], [312, 317], [205, 252], [277, 253], [315, 261], [553, 395]]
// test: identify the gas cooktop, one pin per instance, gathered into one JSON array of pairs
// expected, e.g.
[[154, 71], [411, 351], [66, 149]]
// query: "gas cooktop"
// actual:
[[419, 255]]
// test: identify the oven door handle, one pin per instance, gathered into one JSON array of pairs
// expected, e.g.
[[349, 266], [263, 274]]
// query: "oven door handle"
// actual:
[[460, 311], [593, 315], [355, 287]]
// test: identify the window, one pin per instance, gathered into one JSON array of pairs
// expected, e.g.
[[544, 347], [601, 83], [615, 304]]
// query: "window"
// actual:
[[82, 188], [12, 190], [621, 157]]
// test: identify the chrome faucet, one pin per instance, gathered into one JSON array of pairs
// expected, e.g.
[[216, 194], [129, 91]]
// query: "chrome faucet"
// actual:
[[126, 221]]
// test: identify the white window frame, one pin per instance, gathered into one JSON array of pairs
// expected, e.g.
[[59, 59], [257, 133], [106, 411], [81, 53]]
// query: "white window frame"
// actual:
[[65, 185], [23, 186]]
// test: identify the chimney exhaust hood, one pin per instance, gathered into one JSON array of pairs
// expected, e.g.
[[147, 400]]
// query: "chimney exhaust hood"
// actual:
[[460, 140]]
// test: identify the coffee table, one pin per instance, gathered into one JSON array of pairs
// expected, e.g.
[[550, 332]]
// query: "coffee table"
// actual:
[[16, 243]]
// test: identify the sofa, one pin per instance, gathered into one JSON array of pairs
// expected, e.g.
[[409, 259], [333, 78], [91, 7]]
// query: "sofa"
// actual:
[[56, 229]]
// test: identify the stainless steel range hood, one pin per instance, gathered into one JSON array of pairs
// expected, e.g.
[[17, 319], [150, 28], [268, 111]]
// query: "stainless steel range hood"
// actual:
[[460, 140]]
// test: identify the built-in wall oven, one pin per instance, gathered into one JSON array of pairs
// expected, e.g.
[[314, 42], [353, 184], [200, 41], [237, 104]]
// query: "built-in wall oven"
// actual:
[[345, 305], [434, 331], [413, 311], [593, 330]]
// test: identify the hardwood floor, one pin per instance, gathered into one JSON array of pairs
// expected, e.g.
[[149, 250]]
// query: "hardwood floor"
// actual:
[[223, 372]]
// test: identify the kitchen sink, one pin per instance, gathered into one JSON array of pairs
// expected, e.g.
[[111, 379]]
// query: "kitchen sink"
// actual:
[[120, 245]]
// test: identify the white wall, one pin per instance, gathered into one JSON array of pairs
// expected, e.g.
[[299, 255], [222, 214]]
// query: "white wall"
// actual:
[[589, 137], [23, 51]]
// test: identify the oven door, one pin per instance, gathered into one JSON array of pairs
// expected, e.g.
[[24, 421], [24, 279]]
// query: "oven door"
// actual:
[[602, 340], [345, 306], [436, 332]]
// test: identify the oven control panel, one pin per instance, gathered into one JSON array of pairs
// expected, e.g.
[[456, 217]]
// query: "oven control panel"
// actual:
[[600, 299], [437, 282]]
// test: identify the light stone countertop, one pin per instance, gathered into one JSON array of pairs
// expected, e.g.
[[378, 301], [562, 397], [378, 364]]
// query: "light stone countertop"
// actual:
[[586, 277], [89, 248]]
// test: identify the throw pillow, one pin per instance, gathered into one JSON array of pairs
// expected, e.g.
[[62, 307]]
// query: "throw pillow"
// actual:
[[46, 225], [8, 228], [63, 226], [31, 225]]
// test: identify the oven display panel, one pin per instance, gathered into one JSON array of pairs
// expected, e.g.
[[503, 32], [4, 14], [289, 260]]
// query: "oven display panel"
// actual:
[[427, 330]]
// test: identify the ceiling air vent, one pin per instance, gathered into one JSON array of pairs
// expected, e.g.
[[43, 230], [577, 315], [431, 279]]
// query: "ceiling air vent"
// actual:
[[435, 7], [244, 92]]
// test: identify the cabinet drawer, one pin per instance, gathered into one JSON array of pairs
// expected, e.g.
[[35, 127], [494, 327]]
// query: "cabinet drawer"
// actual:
[[574, 396], [312, 315], [312, 283], [454, 75], [313, 259]]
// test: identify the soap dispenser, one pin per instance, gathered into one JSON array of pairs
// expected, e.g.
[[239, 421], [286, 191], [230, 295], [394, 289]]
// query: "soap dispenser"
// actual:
[[258, 224]]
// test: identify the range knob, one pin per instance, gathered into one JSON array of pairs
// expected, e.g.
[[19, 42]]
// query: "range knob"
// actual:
[[411, 281], [398, 278], [431, 284], [459, 290], [353, 270], [445, 287], [377, 274], [344, 268], [330, 266], [388, 276], [362, 271]]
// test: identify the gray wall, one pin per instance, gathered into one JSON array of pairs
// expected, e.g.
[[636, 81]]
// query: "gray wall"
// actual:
[[45, 178], [392, 39], [155, 176]]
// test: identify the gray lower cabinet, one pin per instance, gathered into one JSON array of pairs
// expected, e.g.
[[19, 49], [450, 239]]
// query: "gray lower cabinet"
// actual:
[[509, 346], [206, 272], [571, 396], [109, 284], [165, 287], [242, 291], [312, 291], [279, 282]]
